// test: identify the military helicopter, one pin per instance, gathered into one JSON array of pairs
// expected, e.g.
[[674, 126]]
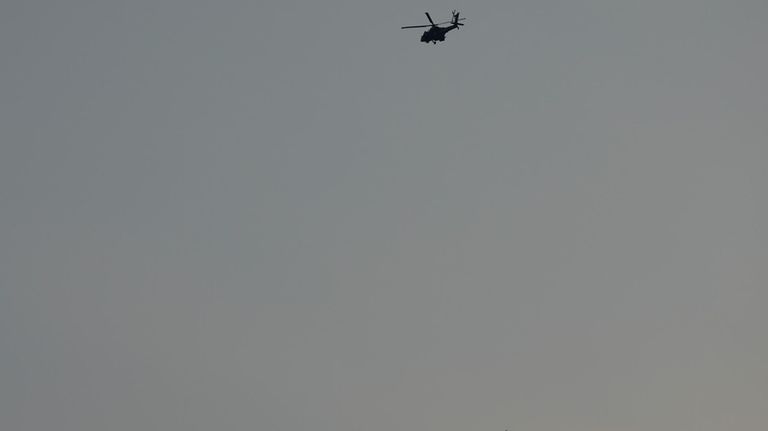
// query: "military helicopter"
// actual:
[[435, 33]]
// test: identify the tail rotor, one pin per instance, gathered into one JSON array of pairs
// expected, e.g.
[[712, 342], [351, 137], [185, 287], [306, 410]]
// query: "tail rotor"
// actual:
[[456, 19]]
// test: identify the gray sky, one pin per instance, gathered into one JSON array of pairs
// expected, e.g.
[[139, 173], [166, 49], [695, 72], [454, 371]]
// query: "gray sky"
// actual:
[[293, 215]]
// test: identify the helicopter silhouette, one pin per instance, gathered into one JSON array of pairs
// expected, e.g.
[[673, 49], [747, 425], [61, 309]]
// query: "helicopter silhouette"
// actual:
[[435, 33]]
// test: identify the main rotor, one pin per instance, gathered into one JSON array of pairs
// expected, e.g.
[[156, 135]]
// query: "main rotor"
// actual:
[[454, 21]]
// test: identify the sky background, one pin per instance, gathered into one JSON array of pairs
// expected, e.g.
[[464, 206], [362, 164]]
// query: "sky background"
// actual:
[[292, 215]]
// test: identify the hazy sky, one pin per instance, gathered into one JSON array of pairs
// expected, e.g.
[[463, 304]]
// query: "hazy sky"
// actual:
[[292, 215]]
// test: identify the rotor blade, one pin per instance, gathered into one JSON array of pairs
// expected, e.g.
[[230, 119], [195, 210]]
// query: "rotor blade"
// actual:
[[416, 26], [451, 22], [429, 18]]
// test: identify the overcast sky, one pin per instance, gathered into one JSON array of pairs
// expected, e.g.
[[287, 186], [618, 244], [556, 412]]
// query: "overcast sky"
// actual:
[[292, 215]]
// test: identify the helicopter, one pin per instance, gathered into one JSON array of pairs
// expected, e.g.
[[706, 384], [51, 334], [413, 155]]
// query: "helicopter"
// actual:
[[435, 33]]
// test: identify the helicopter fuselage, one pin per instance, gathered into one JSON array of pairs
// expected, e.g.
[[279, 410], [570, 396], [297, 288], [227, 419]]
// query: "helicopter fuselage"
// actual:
[[435, 34]]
